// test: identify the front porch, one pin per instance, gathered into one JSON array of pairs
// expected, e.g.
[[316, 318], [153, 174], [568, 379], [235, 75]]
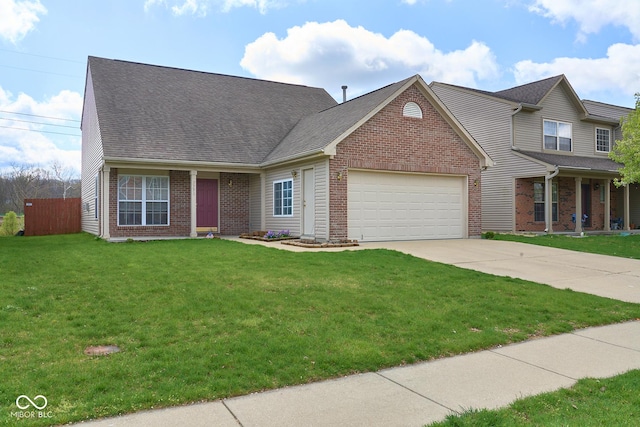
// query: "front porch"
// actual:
[[575, 203]]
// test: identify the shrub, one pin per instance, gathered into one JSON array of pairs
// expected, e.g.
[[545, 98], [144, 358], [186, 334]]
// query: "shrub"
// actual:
[[489, 235], [10, 225]]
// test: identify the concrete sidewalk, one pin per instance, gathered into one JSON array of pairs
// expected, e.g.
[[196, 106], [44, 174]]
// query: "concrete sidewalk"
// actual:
[[419, 394]]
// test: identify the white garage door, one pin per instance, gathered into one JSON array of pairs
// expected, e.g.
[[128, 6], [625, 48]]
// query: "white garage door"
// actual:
[[395, 206]]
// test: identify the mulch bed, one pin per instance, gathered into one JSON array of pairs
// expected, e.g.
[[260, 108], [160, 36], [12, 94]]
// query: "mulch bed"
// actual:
[[259, 235], [320, 245]]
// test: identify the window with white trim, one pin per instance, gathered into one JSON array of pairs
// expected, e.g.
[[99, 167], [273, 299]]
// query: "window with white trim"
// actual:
[[283, 198], [538, 201], [557, 135], [143, 200], [603, 140]]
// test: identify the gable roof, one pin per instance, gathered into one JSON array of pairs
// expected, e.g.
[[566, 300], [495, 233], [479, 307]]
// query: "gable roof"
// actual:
[[162, 113], [530, 93], [153, 113]]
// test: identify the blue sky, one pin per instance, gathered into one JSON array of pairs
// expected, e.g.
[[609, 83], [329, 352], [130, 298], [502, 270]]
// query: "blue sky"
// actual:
[[486, 44]]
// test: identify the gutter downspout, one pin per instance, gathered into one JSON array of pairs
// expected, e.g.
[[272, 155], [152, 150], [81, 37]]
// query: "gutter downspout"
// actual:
[[516, 111], [548, 202]]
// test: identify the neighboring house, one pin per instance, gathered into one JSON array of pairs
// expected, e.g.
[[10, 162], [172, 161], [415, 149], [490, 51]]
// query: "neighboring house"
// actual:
[[551, 153], [168, 152]]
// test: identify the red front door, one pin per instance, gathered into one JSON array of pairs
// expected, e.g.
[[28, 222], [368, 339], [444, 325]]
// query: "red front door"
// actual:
[[207, 202]]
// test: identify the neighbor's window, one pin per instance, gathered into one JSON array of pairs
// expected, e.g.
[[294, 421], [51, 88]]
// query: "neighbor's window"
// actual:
[[538, 201], [143, 200], [557, 135], [603, 140], [283, 198]]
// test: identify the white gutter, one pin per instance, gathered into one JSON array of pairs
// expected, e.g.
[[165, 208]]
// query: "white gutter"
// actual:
[[516, 111]]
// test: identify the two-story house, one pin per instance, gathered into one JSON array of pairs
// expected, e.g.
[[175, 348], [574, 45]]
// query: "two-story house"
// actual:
[[552, 171]]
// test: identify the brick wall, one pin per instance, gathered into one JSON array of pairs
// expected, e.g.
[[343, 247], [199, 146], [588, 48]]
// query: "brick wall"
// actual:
[[234, 203], [390, 141], [566, 205], [179, 206]]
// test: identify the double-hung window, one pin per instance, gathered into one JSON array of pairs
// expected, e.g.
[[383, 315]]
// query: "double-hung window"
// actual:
[[538, 201], [283, 198], [143, 200], [603, 140], [557, 135]]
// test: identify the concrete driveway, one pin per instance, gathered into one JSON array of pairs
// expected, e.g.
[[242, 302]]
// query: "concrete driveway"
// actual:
[[606, 276]]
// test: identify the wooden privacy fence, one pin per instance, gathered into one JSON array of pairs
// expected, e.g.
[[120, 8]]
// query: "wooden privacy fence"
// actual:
[[52, 216]]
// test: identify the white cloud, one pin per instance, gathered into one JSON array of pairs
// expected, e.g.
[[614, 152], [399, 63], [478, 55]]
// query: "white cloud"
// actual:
[[24, 138], [17, 18], [334, 53], [592, 15], [618, 72], [201, 7]]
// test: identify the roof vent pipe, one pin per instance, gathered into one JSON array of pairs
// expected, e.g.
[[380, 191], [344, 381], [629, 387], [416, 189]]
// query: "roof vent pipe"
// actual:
[[344, 93]]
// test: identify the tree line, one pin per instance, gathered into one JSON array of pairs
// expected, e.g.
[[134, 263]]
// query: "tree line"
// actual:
[[24, 181]]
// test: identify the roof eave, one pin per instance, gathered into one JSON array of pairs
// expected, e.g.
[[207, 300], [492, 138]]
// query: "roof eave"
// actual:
[[135, 162]]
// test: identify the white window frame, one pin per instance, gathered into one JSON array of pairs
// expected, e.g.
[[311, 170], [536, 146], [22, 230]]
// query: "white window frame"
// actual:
[[280, 207], [539, 200], [143, 200], [557, 137], [608, 140]]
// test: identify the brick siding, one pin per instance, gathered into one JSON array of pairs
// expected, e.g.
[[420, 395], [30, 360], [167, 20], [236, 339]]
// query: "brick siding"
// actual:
[[234, 203], [389, 141], [179, 206], [566, 205]]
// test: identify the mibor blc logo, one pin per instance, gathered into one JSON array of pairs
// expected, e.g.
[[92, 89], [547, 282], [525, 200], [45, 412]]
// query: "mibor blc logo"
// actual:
[[38, 403]]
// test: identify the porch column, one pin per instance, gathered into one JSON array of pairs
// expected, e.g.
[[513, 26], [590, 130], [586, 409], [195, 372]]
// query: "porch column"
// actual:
[[263, 197], [607, 205], [194, 205], [104, 203], [578, 204], [548, 204], [627, 220]]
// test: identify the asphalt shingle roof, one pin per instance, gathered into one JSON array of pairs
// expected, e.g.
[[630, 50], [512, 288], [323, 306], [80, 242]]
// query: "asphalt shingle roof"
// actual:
[[153, 112], [563, 161], [316, 131], [531, 93]]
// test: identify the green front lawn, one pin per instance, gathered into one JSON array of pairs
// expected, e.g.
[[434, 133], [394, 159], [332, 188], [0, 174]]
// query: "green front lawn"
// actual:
[[208, 319], [622, 245], [589, 403]]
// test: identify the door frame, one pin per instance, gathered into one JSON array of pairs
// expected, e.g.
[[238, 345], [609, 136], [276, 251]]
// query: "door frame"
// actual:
[[308, 201]]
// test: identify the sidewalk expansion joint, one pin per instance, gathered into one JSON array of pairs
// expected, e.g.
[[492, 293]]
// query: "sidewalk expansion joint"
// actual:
[[533, 364], [415, 392], [574, 333], [232, 414]]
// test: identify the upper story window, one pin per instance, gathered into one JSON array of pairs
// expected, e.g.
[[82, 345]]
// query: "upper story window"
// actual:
[[411, 109], [557, 135], [143, 200], [283, 198], [603, 140]]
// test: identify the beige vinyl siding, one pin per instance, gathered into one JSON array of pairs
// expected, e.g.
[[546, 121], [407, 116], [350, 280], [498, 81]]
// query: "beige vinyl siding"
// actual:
[[489, 122], [294, 223], [92, 155], [558, 107], [255, 203]]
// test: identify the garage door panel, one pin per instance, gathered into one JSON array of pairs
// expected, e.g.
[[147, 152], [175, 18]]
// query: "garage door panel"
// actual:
[[395, 206]]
